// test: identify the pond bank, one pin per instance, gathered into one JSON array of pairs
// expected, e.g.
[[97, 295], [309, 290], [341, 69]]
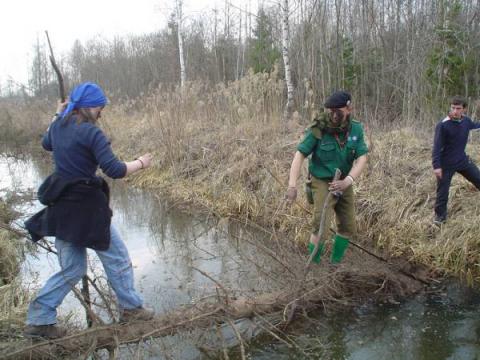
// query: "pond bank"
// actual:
[[174, 237], [226, 159], [227, 151]]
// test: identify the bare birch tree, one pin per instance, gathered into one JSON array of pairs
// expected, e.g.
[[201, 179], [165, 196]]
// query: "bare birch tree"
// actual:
[[286, 59], [396, 57], [240, 46], [179, 16]]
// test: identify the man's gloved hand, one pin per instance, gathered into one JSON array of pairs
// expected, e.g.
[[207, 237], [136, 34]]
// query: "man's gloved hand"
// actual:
[[291, 195]]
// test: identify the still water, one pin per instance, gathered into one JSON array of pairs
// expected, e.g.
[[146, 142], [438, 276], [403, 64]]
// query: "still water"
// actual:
[[167, 246]]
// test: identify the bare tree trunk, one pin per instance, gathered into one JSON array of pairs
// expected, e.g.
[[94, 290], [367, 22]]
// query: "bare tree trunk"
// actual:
[[245, 41], [249, 20], [215, 46], [183, 74], [226, 40], [286, 60], [227, 20], [239, 49]]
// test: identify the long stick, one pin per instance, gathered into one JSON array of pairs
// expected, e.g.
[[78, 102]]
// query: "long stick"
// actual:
[[85, 291], [404, 272], [293, 305], [378, 257], [338, 173], [61, 86]]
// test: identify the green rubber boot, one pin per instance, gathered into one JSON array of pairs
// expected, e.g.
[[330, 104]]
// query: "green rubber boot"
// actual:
[[340, 244], [321, 249]]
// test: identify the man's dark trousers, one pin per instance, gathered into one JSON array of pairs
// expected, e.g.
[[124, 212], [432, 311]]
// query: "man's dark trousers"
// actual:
[[469, 172]]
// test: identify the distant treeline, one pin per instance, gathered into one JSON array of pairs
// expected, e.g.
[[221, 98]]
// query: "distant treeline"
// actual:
[[396, 56]]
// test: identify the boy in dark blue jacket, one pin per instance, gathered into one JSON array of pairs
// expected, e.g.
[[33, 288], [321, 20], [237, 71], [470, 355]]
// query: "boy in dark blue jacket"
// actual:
[[448, 155]]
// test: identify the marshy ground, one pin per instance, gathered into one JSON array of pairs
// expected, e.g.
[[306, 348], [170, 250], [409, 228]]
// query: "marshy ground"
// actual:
[[226, 153]]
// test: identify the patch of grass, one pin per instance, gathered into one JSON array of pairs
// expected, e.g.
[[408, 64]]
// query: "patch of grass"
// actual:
[[23, 122], [227, 149], [212, 150], [396, 200], [13, 297]]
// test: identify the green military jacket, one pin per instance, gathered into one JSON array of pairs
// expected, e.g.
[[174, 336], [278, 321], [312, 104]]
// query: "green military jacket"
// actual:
[[327, 154]]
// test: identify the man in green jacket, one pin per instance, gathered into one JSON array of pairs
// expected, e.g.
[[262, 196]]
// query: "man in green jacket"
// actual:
[[335, 141]]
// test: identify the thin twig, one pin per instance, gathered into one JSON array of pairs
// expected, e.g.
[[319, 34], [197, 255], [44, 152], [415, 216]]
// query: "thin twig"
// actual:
[[222, 338], [227, 298], [239, 337], [113, 351], [91, 349]]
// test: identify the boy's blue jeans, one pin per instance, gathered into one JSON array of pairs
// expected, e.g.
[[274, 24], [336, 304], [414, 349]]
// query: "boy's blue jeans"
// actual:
[[73, 263]]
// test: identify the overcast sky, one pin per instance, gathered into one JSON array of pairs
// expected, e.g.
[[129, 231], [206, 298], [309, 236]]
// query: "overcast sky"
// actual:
[[22, 21]]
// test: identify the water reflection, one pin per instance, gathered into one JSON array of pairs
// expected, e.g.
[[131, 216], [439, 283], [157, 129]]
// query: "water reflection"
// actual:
[[424, 328], [166, 246], [170, 245], [18, 173]]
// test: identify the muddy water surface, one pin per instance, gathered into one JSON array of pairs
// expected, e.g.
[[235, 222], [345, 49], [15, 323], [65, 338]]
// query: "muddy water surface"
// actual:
[[166, 246]]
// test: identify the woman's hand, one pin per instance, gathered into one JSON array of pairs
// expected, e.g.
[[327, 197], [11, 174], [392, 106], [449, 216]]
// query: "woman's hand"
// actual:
[[146, 160], [61, 106], [140, 163]]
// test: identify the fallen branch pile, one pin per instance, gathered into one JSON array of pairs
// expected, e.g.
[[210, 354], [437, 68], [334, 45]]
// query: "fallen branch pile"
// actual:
[[325, 291]]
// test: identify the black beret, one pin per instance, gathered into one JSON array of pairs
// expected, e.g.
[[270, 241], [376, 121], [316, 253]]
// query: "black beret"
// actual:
[[338, 99]]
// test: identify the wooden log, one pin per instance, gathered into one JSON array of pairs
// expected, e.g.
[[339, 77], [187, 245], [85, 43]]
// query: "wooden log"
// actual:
[[325, 288]]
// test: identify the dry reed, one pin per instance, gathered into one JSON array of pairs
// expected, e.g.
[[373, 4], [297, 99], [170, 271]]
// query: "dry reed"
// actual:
[[13, 297], [226, 149]]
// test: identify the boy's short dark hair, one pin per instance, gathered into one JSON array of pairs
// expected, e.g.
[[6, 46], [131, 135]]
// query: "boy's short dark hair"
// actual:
[[459, 100]]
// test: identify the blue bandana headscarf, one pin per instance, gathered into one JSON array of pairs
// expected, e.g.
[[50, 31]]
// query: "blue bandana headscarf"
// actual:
[[85, 95]]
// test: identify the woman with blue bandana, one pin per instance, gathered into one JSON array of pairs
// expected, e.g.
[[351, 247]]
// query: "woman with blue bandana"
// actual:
[[78, 213]]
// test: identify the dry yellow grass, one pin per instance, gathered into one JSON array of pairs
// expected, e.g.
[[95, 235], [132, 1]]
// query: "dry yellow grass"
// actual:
[[23, 121], [396, 201], [13, 298], [223, 158], [223, 148]]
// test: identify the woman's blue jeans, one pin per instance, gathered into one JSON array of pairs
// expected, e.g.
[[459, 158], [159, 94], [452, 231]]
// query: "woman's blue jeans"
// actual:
[[73, 263]]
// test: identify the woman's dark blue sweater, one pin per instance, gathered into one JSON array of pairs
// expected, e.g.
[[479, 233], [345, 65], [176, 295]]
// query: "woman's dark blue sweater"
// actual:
[[78, 150], [77, 201]]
